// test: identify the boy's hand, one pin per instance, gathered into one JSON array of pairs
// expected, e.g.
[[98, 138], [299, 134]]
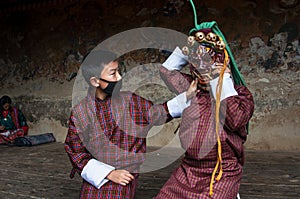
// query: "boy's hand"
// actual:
[[2, 128], [121, 177], [192, 91]]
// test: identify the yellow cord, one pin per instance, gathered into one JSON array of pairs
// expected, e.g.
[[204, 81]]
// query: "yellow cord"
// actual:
[[218, 102]]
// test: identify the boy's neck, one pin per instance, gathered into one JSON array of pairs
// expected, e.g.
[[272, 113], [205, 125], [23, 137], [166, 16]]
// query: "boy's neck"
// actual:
[[100, 94]]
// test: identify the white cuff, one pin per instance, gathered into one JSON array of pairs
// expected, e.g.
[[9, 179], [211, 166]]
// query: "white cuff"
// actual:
[[95, 172], [6, 133], [178, 104], [176, 60], [227, 88]]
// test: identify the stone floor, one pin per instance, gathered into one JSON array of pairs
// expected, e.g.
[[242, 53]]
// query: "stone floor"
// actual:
[[43, 172]]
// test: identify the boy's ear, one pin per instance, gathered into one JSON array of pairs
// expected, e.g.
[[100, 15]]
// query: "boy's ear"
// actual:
[[94, 81]]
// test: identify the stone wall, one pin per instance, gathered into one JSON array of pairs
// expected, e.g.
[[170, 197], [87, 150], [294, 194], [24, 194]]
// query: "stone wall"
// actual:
[[42, 48]]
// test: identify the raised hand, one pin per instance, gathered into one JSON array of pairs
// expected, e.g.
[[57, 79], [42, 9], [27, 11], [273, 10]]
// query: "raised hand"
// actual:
[[192, 90]]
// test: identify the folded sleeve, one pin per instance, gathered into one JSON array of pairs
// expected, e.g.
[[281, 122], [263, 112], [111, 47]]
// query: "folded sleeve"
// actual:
[[176, 60], [228, 89], [178, 104], [95, 172]]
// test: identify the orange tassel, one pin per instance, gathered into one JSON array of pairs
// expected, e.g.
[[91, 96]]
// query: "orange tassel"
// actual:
[[218, 102]]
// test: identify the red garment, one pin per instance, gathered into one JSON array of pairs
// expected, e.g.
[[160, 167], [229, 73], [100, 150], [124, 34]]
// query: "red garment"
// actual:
[[19, 127], [109, 190], [192, 178], [7, 137], [25, 129], [5, 113], [113, 132]]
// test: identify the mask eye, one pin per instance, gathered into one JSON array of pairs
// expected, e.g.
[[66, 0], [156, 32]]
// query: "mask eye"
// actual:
[[200, 36]]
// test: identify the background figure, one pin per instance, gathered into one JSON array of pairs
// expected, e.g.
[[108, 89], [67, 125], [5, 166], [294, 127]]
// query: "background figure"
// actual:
[[12, 121]]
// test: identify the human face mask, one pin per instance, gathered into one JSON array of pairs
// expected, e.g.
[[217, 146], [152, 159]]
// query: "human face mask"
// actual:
[[112, 86]]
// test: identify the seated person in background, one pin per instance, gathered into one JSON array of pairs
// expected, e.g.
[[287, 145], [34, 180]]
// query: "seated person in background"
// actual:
[[12, 121]]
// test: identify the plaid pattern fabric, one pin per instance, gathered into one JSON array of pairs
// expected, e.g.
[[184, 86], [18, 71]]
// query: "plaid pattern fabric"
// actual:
[[197, 135], [109, 190], [113, 131]]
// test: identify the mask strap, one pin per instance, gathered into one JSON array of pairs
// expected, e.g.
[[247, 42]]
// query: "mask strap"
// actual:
[[106, 80]]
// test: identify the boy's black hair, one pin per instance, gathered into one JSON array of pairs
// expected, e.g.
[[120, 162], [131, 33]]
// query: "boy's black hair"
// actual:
[[93, 63]]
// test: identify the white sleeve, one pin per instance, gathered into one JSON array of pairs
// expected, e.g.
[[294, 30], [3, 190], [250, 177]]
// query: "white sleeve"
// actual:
[[178, 104], [227, 87], [95, 172], [176, 60]]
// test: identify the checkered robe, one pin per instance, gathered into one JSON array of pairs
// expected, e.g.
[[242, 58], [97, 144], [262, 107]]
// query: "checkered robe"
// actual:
[[192, 178], [112, 131]]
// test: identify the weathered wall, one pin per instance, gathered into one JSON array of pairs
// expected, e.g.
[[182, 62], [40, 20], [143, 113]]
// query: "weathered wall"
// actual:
[[42, 48]]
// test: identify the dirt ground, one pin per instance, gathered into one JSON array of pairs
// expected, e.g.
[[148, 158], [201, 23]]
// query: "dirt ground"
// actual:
[[43, 172]]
